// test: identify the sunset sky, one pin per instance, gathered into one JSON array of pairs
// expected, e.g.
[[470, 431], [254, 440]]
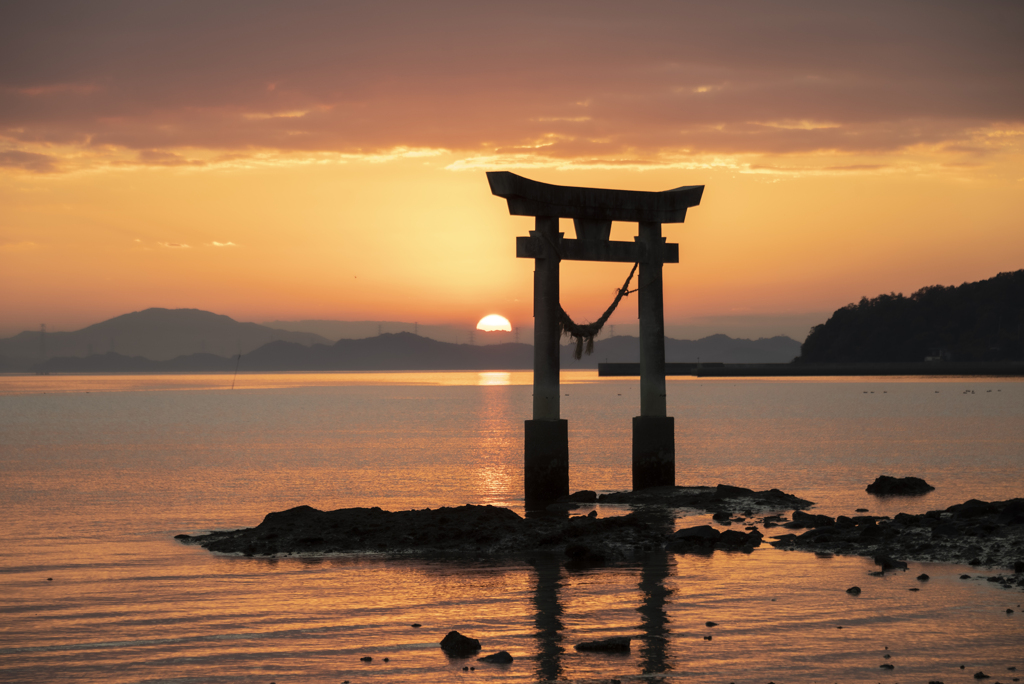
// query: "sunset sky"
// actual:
[[326, 159]]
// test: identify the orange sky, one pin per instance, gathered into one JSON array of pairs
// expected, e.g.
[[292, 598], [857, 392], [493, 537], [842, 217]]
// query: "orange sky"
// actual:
[[326, 160]]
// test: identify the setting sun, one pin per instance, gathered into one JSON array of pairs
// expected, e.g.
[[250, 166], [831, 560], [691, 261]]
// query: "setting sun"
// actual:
[[494, 323]]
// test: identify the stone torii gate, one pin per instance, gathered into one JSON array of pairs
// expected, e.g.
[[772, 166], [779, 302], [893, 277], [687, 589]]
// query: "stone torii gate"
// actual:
[[592, 211]]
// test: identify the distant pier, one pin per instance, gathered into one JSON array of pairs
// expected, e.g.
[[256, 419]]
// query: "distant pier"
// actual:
[[754, 370]]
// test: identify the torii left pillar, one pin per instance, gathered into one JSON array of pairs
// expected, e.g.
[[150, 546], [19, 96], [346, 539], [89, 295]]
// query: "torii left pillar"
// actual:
[[546, 466]]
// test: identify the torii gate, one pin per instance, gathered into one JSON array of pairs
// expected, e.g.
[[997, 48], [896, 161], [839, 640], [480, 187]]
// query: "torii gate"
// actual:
[[592, 211]]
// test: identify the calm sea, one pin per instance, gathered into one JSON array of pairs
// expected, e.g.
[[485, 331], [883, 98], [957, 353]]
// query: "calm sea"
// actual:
[[98, 473]]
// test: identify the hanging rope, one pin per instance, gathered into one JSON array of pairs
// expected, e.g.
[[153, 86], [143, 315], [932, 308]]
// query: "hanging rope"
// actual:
[[583, 335]]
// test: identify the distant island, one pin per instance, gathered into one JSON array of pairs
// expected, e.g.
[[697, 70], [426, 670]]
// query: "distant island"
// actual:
[[193, 341], [974, 322], [406, 351]]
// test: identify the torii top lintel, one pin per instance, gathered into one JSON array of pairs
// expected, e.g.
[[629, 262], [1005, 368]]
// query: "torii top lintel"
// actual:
[[531, 198]]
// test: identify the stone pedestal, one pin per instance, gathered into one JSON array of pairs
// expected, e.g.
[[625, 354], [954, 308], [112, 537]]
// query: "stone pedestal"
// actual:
[[654, 452], [546, 466]]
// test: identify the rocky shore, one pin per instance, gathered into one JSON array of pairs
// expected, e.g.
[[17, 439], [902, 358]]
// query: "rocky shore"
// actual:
[[975, 532], [489, 531]]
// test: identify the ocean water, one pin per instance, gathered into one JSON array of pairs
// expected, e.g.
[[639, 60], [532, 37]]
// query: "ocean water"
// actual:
[[98, 473]]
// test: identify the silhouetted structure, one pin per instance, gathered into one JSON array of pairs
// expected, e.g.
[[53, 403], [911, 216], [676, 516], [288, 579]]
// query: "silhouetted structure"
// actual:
[[592, 211]]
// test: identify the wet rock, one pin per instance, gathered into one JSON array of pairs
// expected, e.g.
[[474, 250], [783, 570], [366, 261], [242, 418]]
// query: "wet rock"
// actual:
[[809, 520], [886, 485], [710, 624], [923, 577], [981, 675], [501, 657], [581, 554], [458, 645], [367, 659], [887, 666], [965, 577], [721, 515], [584, 496], [612, 644], [887, 563], [853, 591]]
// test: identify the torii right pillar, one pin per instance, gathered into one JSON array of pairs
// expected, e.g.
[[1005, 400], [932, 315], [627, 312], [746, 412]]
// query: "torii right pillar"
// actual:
[[654, 444]]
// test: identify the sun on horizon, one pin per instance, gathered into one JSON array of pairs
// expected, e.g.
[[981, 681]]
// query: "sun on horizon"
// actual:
[[494, 323]]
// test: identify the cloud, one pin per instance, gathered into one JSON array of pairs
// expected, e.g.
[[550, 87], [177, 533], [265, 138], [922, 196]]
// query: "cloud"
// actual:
[[165, 158], [28, 161], [223, 244], [174, 245], [575, 80]]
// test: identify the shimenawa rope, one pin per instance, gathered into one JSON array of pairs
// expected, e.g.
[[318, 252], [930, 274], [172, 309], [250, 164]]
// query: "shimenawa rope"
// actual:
[[583, 335]]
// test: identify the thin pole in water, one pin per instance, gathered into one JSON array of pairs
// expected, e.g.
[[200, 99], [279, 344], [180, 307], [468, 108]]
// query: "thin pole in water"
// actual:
[[236, 370]]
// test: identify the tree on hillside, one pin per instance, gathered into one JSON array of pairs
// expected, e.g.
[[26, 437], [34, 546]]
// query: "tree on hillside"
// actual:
[[982, 321]]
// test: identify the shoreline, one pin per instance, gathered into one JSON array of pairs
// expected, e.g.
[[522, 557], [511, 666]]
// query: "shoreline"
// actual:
[[975, 533]]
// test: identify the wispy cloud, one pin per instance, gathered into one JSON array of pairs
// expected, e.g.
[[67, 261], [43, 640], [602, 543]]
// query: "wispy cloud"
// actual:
[[28, 161], [174, 245], [222, 244]]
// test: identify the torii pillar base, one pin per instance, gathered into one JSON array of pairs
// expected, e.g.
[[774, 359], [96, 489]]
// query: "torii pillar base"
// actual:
[[546, 467], [654, 452]]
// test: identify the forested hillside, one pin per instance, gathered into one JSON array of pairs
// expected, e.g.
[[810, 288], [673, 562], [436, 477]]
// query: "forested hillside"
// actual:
[[982, 321]]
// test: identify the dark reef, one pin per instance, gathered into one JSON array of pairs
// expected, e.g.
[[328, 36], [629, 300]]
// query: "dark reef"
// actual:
[[974, 532]]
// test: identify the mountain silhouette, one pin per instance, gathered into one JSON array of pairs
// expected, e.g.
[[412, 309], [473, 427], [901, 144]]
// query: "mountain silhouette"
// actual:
[[155, 334], [407, 351]]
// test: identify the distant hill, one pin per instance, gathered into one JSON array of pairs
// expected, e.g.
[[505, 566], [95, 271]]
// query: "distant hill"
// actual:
[[711, 349], [982, 321], [156, 334], [406, 351]]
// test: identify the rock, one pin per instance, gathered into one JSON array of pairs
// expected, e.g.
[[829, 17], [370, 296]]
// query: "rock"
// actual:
[[980, 675], [581, 554], [710, 624], [367, 659], [887, 563], [501, 657], [729, 492], [612, 644], [721, 515], [898, 486], [853, 591], [416, 624], [923, 577], [585, 496], [887, 666], [809, 520], [965, 577], [459, 645]]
